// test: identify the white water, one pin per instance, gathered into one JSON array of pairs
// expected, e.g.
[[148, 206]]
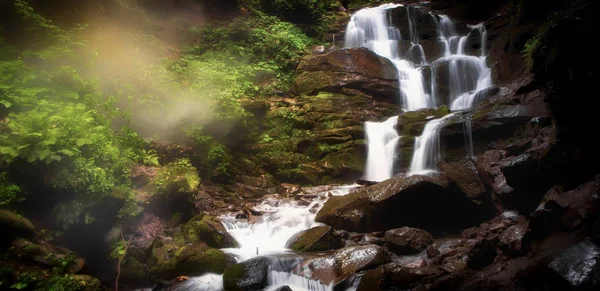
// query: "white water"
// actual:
[[382, 139], [466, 75], [268, 236], [427, 147]]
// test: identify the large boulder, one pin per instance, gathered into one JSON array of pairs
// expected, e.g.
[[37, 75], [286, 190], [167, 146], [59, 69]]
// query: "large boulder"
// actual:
[[318, 238], [210, 230], [45, 255], [12, 225], [579, 265], [248, 275], [353, 68], [171, 259], [337, 266], [426, 202]]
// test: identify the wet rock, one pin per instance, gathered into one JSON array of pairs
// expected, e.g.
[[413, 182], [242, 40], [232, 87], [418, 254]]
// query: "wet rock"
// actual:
[[579, 265], [341, 264], [432, 251], [372, 280], [248, 275], [355, 68], [483, 252], [319, 238], [284, 288], [170, 259], [413, 122], [402, 277], [403, 201], [12, 225], [465, 175], [567, 210], [515, 239], [288, 190], [371, 239], [406, 240], [454, 265], [263, 181], [248, 191], [209, 229]]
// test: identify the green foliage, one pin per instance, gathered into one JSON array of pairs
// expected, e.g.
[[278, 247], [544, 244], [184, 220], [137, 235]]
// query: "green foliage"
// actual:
[[9, 192], [308, 14], [177, 177]]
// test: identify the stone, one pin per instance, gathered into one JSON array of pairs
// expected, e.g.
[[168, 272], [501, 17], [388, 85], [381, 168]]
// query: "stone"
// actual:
[[248, 275], [170, 259], [483, 252], [335, 267], [318, 238], [465, 175], [210, 230], [567, 210], [372, 280], [13, 225], [579, 265], [515, 239], [406, 278], [288, 190], [425, 202], [355, 68], [407, 240]]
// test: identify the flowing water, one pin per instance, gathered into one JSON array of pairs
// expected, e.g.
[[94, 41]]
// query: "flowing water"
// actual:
[[459, 70], [382, 139], [268, 237]]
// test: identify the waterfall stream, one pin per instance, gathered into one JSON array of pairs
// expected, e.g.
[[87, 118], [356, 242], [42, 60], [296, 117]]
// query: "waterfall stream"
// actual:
[[268, 237], [466, 75]]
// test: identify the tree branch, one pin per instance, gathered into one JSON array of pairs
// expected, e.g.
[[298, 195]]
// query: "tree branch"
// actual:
[[125, 247]]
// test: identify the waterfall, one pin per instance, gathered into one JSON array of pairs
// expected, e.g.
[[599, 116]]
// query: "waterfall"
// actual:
[[467, 74], [382, 139], [427, 147]]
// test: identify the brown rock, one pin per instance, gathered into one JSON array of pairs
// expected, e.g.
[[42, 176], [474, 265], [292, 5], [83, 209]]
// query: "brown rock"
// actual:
[[318, 238], [407, 240], [515, 240], [465, 175]]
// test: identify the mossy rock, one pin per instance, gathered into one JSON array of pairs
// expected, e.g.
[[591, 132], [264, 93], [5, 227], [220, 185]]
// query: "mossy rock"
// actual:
[[250, 275], [413, 122], [133, 271], [171, 259], [211, 231], [173, 189], [319, 238], [13, 225], [45, 255]]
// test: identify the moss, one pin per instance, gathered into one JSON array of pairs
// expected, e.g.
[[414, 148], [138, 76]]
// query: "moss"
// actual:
[[133, 270], [176, 177], [14, 224], [210, 231], [320, 238], [171, 259], [73, 283]]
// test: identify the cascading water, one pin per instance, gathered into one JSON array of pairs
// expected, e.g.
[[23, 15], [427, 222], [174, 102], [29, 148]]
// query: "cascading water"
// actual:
[[467, 75], [382, 139], [268, 237]]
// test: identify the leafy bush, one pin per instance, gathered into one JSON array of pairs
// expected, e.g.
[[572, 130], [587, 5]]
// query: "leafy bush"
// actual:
[[177, 177]]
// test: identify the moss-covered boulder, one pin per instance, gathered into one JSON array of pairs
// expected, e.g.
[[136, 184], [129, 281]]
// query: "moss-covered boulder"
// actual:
[[413, 122], [426, 202], [45, 255], [210, 230], [355, 68], [318, 238], [73, 283], [249, 275], [170, 259], [13, 224], [173, 188]]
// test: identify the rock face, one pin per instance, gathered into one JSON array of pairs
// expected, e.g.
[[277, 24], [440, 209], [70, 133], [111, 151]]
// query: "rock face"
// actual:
[[319, 238], [424, 202], [355, 68], [407, 240], [465, 175], [208, 229]]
